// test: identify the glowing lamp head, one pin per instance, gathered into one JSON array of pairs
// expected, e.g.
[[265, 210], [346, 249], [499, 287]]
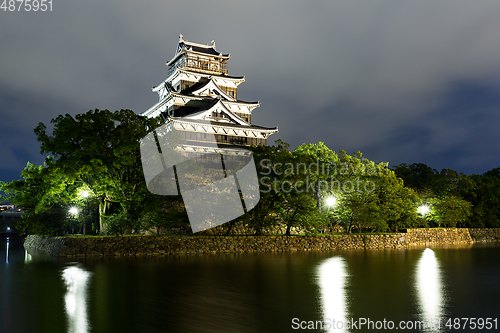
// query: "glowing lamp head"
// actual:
[[73, 210], [331, 201], [423, 210]]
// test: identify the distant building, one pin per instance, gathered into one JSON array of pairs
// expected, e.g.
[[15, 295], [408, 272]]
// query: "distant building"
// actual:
[[6, 207], [200, 100]]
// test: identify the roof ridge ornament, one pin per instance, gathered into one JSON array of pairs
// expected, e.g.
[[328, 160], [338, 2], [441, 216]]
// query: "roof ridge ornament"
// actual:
[[181, 38], [213, 43]]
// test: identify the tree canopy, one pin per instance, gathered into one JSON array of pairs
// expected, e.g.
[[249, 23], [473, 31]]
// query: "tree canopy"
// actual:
[[311, 189], [101, 149]]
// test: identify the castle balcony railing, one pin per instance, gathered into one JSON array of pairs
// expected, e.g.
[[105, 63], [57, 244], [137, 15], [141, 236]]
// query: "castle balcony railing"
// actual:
[[205, 65]]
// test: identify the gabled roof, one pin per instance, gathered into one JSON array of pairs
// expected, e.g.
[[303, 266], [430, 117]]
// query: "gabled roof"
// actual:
[[202, 49], [165, 85], [243, 127], [220, 108], [208, 86], [238, 78]]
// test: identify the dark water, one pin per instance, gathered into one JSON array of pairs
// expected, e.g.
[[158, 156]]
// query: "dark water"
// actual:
[[251, 293]]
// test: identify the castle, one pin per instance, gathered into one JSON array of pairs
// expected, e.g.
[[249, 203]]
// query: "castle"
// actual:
[[200, 100]]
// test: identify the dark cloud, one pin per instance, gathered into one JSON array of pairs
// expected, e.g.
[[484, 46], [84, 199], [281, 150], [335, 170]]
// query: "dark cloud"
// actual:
[[400, 81]]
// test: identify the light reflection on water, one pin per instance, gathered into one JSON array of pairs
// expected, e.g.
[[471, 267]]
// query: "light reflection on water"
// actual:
[[7, 245], [429, 290], [244, 293], [332, 280], [76, 280], [27, 257]]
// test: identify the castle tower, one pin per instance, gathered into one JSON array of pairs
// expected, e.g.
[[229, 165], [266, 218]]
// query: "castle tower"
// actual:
[[200, 100]]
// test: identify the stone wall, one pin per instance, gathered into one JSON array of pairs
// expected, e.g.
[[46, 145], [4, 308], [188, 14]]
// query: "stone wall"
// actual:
[[437, 236], [169, 245], [485, 234], [51, 245]]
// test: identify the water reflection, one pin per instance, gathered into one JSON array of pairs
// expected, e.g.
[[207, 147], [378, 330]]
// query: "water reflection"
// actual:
[[7, 245], [76, 280], [430, 291], [27, 257], [332, 279]]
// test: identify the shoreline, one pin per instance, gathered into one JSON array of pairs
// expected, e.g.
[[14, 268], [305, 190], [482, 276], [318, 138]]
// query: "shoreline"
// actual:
[[181, 245]]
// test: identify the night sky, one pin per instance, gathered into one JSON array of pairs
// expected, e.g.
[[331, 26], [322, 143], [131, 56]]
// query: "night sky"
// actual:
[[401, 81]]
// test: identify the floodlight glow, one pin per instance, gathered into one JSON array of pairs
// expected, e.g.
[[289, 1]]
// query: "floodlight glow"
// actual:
[[332, 278], [76, 280], [423, 210], [429, 289], [73, 210], [331, 201], [85, 194]]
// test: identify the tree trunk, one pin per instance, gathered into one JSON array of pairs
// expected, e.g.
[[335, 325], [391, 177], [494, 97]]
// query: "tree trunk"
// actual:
[[288, 230], [103, 210]]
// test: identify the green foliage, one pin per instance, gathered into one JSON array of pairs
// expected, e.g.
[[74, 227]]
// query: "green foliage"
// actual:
[[164, 212], [485, 198], [100, 151], [452, 211], [378, 202], [417, 175], [101, 148], [318, 152], [295, 185], [396, 202], [455, 198], [45, 194], [116, 224]]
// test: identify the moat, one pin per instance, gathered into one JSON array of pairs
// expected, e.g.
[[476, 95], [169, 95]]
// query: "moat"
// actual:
[[257, 292]]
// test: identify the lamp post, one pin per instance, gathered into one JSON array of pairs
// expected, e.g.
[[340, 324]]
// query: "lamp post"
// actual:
[[330, 202], [85, 194], [73, 211]]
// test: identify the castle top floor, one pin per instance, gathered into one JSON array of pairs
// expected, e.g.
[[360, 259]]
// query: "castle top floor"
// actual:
[[199, 58]]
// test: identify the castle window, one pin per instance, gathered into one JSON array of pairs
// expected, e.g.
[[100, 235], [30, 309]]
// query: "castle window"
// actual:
[[201, 136]]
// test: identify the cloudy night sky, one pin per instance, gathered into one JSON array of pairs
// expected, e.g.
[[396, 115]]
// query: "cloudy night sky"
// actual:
[[401, 81]]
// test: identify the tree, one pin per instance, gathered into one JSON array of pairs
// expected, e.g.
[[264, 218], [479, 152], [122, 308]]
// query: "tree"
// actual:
[[285, 197], [297, 206], [321, 163], [372, 196], [45, 194], [101, 148], [269, 162], [369, 195], [452, 211], [421, 177], [164, 212], [485, 198], [396, 202]]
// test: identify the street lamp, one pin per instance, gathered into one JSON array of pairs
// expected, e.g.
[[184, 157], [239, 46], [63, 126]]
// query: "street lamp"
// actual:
[[331, 201], [73, 211], [423, 210], [85, 194]]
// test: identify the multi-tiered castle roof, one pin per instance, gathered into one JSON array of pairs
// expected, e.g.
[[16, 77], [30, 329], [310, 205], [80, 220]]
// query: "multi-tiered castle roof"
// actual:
[[200, 99]]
